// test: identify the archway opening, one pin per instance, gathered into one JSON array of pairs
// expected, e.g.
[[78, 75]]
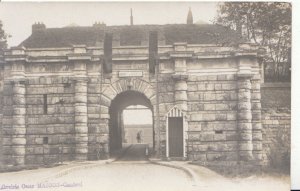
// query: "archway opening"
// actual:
[[131, 120]]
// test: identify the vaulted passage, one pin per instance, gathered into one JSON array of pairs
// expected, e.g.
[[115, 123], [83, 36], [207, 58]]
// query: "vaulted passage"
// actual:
[[133, 101]]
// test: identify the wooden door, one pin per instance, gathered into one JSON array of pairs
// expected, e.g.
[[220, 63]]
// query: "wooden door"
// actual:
[[175, 128]]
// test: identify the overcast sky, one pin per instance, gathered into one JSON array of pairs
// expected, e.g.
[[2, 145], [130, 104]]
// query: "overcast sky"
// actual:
[[18, 17]]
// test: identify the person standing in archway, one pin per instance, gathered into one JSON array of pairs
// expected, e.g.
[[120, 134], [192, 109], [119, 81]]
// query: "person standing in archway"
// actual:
[[138, 137]]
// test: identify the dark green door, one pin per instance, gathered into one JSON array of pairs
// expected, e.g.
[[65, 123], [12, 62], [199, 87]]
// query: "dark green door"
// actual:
[[175, 136]]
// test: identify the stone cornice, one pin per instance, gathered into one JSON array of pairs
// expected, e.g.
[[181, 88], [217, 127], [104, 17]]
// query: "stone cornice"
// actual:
[[181, 54], [179, 76], [79, 56]]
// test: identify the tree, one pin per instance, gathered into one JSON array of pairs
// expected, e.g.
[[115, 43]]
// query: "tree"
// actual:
[[3, 37], [265, 23]]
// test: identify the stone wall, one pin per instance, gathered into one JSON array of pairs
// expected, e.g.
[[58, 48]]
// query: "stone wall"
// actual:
[[212, 106], [56, 103], [1, 102], [276, 120], [50, 131]]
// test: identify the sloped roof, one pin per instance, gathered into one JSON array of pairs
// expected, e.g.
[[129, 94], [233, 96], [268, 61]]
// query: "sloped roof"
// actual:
[[131, 35]]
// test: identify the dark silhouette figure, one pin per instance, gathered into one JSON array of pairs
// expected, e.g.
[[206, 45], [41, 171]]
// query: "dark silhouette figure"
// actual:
[[138, 137]]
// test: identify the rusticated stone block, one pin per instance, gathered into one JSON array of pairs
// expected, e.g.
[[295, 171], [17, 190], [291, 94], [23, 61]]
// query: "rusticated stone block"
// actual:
[[18, 130], [231, 156], [244, 95], [180, 95], [6, 150], [208, 117], [202, 148], [182, 85], [210, 87], [256, 126], [245, 146], [245, 155], [231, 116], [194, 127], [257, 155], [81, 128], [194, 136], [244, 115], [201, 87], [192, 96], [192, 87], [218, 87], [257, 146], [222, 107], [246, 135], [18, 100], [81, 138], [209, 107], [18, 150], [221, 77], [18, 141], [196, 117], [220, 137], [18, 160], [228, 86], [197, 157], [255, 95], [231, 147], [230, 126], [207, 137], [81, 118], [212, 77], [256, 115], [221, 117], [244, 84], [256, 105], [209, 96], [245, 126], [215, 157], [255, 86], [197, 107], [257, 136], [80, 98], [244, 106]]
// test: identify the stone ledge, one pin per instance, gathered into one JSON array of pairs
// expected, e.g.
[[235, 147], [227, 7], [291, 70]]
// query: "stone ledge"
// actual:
[[276, 85]]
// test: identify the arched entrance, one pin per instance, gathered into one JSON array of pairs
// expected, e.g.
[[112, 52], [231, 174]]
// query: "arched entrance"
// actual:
[[116, 122]]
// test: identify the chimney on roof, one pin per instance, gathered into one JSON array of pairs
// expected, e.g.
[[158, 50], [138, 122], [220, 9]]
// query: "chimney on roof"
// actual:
[[131, 17], [189, 19], [99, 24], [38, 27]]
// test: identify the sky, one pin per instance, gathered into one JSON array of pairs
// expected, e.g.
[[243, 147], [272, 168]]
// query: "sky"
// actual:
[[18, 17]]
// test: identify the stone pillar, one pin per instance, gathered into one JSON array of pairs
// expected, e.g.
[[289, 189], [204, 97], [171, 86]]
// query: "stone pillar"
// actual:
[[18, 133], [18, 139], [81, 118], [256, 118], [180, 77], [181, 92], [244, 118]]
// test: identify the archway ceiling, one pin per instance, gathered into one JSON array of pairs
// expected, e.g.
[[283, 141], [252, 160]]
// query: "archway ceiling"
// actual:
[[128, 98]]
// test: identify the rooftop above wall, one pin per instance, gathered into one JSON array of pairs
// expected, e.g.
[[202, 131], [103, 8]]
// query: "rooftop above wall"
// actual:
[[126, 35]]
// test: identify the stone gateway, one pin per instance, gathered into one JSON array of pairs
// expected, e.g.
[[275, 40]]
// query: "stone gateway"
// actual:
[[63, 91]]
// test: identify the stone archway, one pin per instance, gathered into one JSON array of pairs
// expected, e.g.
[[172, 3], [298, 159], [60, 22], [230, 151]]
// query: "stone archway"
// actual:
[[117, 96]]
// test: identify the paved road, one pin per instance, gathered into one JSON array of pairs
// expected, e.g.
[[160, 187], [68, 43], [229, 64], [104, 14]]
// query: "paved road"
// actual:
[[134, 172], [134, 152]]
